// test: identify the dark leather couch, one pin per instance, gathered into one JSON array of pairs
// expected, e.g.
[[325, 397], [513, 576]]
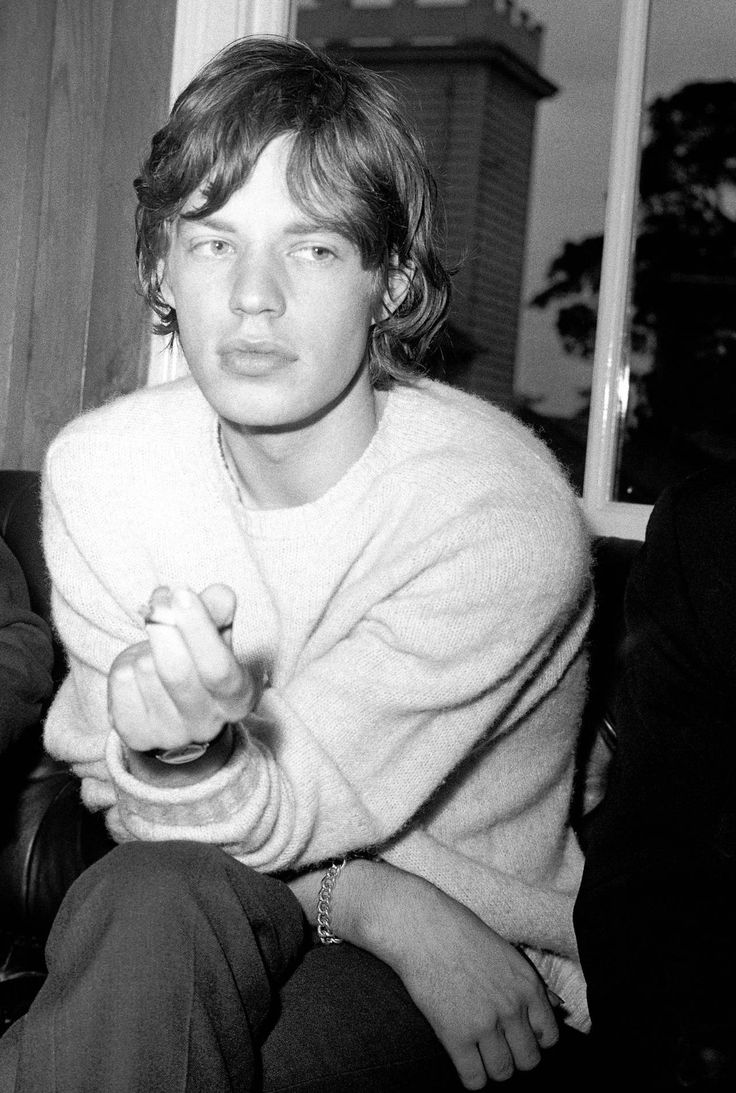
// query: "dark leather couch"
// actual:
[[47, 838]]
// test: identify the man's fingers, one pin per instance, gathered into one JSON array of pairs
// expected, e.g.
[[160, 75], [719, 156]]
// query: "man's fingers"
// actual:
[[220, 602], [512, 1045], [136, 698], [175, 666], [490, 1058], [189, 642], [126, 709], [522, 1043], [496, 1056], [161, 709], [543, 1022], [469, 1067]]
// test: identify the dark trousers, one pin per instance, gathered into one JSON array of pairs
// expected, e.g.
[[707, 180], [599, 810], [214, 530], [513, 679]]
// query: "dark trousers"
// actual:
[[172, 967]]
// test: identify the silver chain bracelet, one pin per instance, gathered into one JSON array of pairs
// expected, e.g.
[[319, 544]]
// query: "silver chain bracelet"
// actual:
[[324, 904]]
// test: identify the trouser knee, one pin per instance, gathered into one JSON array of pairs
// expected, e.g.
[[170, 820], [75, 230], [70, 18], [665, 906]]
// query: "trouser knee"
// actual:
[[150, 880], [164, 961], [169, 890]]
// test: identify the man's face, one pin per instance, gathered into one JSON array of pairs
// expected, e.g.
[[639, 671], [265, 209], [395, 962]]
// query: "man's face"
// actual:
[[273, 311]]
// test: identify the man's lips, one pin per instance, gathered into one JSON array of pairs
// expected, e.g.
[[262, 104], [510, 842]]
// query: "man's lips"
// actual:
[[255, 357]]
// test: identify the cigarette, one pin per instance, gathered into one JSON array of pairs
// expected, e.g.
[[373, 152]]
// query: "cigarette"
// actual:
[[161, 614], [155, 613]]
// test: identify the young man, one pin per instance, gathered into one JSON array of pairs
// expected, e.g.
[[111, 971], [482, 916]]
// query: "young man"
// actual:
[[365, 600]]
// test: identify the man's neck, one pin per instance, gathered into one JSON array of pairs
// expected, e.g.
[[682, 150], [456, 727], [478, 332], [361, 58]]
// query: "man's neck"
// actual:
[[290, 467]]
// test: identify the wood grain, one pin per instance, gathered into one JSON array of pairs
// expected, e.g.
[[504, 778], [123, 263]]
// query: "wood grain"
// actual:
[[26, 37], [83, 84]]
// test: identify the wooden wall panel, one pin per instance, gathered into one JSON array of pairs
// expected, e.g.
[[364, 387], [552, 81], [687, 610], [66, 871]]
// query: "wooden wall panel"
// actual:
[[26, 38], [83, 84], [118, 345], [68, 222]]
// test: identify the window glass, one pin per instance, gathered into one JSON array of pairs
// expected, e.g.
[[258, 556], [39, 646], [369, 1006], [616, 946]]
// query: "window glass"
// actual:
[[565, 231], [681, 406]]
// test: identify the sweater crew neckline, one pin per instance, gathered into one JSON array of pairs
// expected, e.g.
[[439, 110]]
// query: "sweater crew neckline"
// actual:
[[307, 519]]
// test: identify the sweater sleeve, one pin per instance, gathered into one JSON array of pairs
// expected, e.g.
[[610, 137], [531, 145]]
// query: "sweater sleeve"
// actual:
[[345, 753], [26, 654]]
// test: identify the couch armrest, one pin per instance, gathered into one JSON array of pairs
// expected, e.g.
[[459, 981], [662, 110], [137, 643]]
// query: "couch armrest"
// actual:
[[612, 560], [47, 838]]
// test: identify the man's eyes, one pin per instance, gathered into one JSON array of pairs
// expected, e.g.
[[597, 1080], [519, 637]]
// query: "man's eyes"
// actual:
[[221, 248]]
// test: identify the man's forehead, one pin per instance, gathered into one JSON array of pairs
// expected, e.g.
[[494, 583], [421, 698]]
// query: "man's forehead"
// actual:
[[277, 151], [297, 216]]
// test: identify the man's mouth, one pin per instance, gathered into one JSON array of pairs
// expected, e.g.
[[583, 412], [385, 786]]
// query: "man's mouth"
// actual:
[[255, 357]]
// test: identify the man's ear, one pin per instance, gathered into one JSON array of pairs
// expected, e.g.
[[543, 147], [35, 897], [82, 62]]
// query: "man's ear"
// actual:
[[398, 283]]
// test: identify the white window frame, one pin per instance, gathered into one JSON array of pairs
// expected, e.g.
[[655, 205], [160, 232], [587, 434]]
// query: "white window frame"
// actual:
[[610, 389], [203, 27]]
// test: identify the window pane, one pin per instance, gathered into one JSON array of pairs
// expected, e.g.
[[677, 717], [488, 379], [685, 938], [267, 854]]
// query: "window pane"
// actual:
[[565, 233], [681, 412]]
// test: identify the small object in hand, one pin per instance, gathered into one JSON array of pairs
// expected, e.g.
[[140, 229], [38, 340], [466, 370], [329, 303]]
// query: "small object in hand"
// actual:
[[160, 610], [157, 608]]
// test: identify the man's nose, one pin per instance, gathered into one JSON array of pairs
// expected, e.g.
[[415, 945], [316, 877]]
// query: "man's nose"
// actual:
[[257, 286]]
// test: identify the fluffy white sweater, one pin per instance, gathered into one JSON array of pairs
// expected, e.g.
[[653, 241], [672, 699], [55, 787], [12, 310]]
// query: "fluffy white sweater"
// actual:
[[420, 630]]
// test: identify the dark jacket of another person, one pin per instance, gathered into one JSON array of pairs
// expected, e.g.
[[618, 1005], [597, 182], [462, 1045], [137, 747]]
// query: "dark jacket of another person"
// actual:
[[655, 915], [26, 654]]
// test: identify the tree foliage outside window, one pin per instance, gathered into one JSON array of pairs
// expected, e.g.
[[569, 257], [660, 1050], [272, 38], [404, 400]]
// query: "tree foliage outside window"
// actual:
[[683, 300]]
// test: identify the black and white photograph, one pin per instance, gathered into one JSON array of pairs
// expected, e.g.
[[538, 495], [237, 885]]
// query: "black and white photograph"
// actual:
[[367, 546]]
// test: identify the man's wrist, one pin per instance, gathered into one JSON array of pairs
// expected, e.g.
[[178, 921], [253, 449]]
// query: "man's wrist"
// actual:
[[160, 766], [389, 903], [359, 911]]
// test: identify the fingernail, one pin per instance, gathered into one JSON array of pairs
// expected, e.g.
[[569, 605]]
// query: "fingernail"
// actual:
[[161, 596], [182, 597]]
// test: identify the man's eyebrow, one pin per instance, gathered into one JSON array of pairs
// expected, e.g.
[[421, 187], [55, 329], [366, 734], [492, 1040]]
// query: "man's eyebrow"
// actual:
[[219, 223], [292, 228], [306, 227]]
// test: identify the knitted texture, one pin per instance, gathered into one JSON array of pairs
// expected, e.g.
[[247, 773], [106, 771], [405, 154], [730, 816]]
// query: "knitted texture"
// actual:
[[419, 629]]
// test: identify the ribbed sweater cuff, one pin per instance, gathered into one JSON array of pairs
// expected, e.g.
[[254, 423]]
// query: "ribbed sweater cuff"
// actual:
[[565, 978], [153, 811]]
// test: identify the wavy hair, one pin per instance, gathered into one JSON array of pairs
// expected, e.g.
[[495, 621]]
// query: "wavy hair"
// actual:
[[354, 167]]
